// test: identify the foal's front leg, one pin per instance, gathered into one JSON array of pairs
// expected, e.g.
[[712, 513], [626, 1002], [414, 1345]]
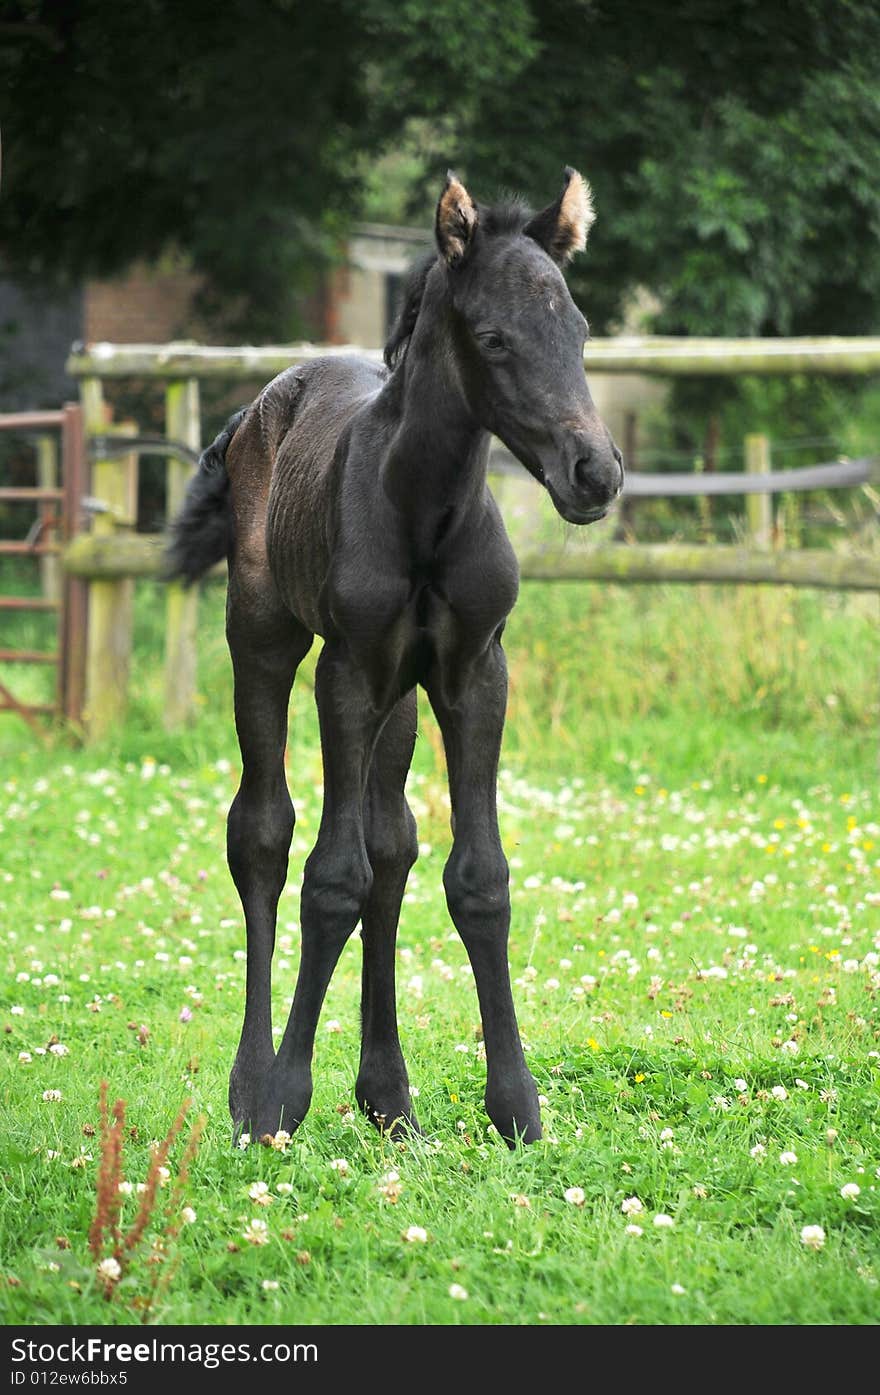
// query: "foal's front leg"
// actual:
[[337, 879], [476, 882]]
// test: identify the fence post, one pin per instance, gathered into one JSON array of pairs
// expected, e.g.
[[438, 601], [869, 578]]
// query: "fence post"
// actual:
[[759, 508], [182, 423], [47, 478], [110, 618], [75, 590]]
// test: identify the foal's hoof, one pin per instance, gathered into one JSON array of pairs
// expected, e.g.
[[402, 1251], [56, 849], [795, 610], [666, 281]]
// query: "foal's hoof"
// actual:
[[392, 1116], [279, 1108], [382, 1091], [515, 1112]]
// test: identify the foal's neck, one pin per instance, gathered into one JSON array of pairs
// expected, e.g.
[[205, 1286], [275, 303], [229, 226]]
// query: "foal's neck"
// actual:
[[435, 468]]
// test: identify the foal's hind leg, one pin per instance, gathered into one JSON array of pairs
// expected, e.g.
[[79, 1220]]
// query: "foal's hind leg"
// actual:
[[266, 645], [382, 1087]]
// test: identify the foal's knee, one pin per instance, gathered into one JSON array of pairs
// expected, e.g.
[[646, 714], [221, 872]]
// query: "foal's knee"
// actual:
[[336, 885], [392, 841], [477, 888], [258, 834]]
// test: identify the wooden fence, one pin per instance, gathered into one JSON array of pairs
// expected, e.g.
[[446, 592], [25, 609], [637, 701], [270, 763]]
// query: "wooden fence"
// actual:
[[113, 554]]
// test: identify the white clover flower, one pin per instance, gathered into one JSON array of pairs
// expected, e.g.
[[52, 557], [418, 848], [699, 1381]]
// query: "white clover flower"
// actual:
[[779, 1092], [456, 1291], [59, 1049], [257, 1232], [25, 1057], [415, 1235], [188, 1215], [280, 1141], [663, 1222], [678, 1290], [574, 1196], [52, 1096], [244, 1140], [631, 1206], [269, 1285], [813, 1236], [791, 1048], [125, 1188], [633, 1230], [110, 1269], [758, 1151], [666, 1135], [788, 1158], [850, 1190], [741, 1086], [391, 1186], [259, 1192], [340, 1165], [284, 1188]]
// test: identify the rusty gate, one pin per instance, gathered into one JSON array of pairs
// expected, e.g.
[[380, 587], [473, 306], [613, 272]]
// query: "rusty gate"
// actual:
[[57, 506]]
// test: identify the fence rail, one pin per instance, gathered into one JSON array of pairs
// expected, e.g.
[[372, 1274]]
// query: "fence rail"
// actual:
[[650, 354], [109, 558], [830, 474]]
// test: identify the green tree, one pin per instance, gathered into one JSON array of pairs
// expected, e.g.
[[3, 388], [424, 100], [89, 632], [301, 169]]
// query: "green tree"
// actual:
[[733, 148], [238, 132], [732, 145]]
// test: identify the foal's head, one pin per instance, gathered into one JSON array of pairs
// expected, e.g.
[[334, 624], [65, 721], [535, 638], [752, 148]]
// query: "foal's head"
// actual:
[[519, 339]]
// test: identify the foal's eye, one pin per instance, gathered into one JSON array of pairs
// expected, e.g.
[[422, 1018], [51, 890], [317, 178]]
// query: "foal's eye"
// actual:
[[491, 341]]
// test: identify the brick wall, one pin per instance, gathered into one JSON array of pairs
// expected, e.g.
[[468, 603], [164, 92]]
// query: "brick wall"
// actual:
[[145, 306]]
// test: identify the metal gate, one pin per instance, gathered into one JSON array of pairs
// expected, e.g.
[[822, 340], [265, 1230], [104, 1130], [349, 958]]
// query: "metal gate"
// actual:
[[57, 506]]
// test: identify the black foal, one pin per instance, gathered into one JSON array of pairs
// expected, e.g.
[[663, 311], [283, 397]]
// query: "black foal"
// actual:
[[352, 503]]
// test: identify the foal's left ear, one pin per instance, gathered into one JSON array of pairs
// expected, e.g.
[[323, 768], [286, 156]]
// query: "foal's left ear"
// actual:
[[562, 227], [456, 220]]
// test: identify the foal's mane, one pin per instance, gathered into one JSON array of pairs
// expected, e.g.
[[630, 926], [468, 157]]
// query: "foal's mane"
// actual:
[[506, 218]]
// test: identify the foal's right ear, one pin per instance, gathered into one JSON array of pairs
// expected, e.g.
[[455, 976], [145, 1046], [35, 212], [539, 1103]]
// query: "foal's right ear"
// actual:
[[456, 221]]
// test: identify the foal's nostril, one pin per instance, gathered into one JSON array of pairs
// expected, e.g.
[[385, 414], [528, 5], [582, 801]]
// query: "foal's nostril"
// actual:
[[582, 471]]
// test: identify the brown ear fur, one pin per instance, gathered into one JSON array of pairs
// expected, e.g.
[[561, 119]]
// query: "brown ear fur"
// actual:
[[456, 220], [562, 228]]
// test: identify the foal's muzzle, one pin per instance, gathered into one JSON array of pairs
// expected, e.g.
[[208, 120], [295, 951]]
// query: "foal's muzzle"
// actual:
[[590, 480]]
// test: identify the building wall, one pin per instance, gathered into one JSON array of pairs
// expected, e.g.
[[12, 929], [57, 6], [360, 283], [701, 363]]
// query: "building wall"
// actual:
[[364, 300], [145, 306]]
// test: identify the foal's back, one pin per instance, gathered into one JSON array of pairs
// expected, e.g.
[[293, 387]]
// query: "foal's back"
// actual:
[[283, 483]]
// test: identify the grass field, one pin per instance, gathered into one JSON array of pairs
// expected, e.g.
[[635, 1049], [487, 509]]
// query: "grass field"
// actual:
[[689, 805]]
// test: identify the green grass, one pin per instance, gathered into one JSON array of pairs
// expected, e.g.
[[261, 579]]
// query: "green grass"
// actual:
[[688, 802]]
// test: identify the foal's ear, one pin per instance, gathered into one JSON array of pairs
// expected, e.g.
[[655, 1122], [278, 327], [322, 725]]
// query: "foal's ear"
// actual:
[[456, 220], [562, 227]]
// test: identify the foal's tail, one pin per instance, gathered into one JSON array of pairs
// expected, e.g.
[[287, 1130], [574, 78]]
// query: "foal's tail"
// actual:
[[201, 534]]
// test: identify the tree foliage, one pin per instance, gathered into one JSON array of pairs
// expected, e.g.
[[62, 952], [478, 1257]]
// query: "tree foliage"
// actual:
[[733, 146], [733, 149], [238, 132]]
